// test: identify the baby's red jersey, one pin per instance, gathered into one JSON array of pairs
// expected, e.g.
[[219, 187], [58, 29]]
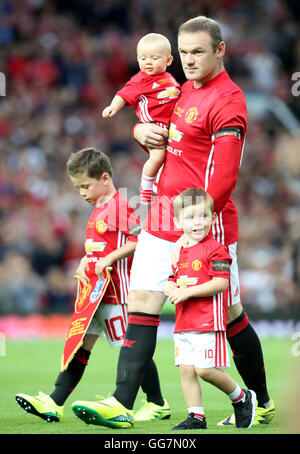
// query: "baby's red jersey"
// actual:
[[195, 158], [199, 264], [110, 226], [152, 97]]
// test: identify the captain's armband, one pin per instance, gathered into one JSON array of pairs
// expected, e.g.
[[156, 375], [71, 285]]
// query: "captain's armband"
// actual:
[[232, 131], [221, 265], [135, 230]]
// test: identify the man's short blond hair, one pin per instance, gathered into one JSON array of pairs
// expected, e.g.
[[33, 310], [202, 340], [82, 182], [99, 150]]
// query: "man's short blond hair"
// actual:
[[203, 23]]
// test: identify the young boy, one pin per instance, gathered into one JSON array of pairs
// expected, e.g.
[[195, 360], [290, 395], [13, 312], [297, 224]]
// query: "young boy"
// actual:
[[198, 289], [111, 238], [153, 93]]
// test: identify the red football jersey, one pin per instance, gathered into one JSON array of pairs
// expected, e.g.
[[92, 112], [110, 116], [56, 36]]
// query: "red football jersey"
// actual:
[[110, 226], [191, 158], [199, 264], [152, 97]]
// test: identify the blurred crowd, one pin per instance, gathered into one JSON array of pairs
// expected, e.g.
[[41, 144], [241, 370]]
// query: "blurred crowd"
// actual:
[[63, 62]]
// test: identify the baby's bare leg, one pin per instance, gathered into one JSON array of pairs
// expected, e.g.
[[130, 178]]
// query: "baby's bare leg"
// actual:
[[150, 171], [154, 162]]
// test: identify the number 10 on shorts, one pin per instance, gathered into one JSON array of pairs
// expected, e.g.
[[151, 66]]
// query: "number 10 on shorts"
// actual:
[[115, 328], [208, 353]]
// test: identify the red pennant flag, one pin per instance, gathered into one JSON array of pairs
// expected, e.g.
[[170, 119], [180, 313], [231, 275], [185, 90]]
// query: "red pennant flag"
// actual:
[[87, 301]]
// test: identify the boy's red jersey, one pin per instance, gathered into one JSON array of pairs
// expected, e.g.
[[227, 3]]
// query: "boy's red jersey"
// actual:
[[199, 264], [109, 227], [152, 97]]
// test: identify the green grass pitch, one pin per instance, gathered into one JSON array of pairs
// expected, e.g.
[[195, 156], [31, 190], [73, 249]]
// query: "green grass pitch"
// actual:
[[32, 366]]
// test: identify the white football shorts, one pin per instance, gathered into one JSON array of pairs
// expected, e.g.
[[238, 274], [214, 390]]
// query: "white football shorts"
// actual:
[[110, 322], [234, 283], [151, 266], [203, 350]]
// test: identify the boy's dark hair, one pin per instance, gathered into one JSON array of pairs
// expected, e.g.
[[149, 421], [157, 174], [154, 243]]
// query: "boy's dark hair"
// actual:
[[192, 196], [91, 161], [203, 23]]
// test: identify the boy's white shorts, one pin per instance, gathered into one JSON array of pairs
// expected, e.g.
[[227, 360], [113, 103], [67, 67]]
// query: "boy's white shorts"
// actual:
[[151, 266], [203, 350], [110, 322]]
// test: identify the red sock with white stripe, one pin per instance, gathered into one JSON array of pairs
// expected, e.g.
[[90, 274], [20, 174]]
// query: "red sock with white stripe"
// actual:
[[198, 412], [238, 395], [146, 188]]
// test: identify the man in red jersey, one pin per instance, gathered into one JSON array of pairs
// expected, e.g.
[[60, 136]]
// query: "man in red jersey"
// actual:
[[204, 149]]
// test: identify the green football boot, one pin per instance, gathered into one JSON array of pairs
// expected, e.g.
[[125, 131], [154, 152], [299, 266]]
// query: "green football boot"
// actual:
[[41, 405]]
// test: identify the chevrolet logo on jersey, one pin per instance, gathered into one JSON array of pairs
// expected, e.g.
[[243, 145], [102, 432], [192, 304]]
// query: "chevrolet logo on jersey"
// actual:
[[174, 134], [169, 92], [94, 246], [184, 281]]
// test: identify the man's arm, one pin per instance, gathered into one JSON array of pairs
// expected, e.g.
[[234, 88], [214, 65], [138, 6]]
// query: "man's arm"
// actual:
[[227, 158], [150, 135], [227, 124]]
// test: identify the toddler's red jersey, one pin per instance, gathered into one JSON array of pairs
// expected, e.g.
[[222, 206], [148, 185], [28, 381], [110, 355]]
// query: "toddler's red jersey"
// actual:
[[198, 115], [199, 264], [152, 97], [110, 226]]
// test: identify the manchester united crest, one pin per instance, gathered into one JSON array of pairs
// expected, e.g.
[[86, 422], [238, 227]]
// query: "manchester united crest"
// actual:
[[191, 115], [196, 265], [101, 226], [82, 300]]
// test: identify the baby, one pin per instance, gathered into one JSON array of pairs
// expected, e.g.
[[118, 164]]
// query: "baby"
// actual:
[[153, 93]]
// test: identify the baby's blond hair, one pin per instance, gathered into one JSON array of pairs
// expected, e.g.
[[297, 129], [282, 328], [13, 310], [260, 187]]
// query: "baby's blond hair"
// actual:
[[155, 38]]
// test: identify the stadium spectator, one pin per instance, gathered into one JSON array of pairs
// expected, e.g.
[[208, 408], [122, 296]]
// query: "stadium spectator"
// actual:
[[55, 56]]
